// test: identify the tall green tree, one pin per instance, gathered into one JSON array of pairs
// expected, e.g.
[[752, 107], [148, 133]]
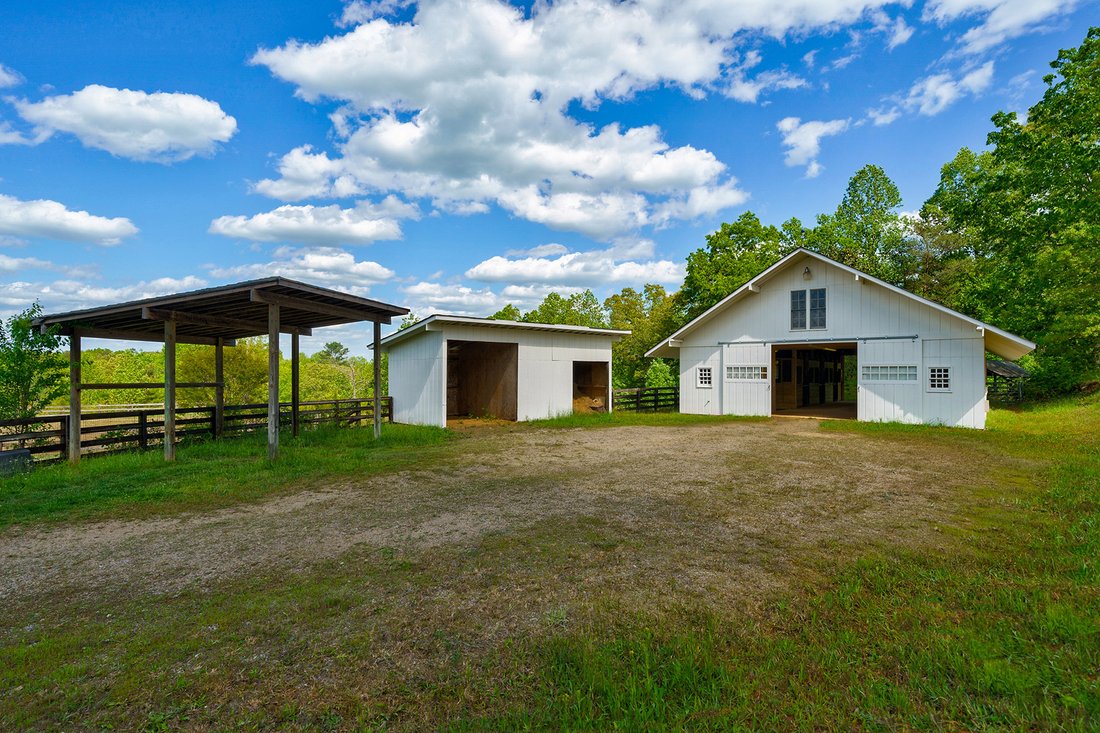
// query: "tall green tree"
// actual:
[[1031, 205], [333, 351], [32, 369], [732, 255], [649, 315], [507, 313], [866, 231], [579, 309]]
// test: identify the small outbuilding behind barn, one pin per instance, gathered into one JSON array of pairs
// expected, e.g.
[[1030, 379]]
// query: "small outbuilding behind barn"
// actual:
[[459, 366]]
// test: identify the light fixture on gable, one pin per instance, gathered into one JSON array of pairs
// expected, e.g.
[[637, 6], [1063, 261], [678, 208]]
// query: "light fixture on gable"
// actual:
[[806, 274]]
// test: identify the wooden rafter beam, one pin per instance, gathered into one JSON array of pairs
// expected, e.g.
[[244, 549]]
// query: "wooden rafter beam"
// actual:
[[145, 385], [312, 306], [198, 319], [111, 333]]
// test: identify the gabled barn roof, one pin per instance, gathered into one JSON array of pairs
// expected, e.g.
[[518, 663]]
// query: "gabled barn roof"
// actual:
[[997, 341], [432, 322]]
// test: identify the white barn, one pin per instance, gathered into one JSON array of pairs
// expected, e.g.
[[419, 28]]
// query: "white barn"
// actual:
[[459, 366], [810, 336]]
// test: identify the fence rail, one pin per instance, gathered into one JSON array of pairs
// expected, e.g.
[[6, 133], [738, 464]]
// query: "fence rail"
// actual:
[[649, 399], [46, 436]]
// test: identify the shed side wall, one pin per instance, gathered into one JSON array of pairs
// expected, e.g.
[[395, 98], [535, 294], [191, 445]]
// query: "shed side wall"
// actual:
[[418, 380]]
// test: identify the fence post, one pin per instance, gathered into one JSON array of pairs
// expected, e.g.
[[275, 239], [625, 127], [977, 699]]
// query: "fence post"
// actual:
[[63, 441], [143, 429]]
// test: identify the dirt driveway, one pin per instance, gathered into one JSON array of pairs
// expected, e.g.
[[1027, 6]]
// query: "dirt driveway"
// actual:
[[719, 510]]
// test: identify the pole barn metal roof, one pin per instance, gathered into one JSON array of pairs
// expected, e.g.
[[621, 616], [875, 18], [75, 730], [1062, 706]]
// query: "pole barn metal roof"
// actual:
[[228, 312]]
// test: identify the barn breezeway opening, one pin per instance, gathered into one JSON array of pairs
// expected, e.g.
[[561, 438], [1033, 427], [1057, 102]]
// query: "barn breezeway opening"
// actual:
[[482, 379], [590, 386], [815, 380]]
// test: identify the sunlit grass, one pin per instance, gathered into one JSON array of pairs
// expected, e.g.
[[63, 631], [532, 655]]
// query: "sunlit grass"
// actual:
[[206, 474], [998, 629]]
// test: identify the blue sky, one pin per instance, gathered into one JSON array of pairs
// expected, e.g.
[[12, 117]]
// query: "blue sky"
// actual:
[[456, 156]]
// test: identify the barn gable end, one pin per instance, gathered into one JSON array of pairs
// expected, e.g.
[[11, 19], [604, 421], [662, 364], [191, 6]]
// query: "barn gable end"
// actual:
[[855, 340]]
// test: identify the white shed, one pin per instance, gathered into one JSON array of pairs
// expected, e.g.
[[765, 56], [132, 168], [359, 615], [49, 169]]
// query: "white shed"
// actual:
[[459, 366], [810, 336]]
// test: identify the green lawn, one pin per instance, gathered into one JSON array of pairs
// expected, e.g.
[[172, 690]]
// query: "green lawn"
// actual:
[[207, 474], [997, 628]]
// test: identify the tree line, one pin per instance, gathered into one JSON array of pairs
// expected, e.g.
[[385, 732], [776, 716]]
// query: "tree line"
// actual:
[[1011, 236]]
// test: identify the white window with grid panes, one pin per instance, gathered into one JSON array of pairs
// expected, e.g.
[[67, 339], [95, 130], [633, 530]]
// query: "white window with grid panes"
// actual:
[[889, 373], [739, 373], [939, 379], [704, 377]]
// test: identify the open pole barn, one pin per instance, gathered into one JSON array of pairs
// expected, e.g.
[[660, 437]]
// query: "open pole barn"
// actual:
[[812, 337], [458, 366], [217, 317]]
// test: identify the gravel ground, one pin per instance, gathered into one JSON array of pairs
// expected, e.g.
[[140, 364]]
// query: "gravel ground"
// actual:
[[718, 510]]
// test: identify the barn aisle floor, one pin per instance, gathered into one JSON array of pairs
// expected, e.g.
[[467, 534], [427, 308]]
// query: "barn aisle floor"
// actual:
[[834, 411]]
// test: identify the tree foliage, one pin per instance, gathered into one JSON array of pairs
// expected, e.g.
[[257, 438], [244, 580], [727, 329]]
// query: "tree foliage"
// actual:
[[507, 313], [1029, 211], [32, 370], [579, 309], [732, 255], [650, 316]]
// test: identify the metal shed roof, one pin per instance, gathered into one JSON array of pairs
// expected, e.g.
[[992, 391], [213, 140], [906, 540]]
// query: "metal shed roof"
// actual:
[[434, 322], [1005, 369], [227, 312]]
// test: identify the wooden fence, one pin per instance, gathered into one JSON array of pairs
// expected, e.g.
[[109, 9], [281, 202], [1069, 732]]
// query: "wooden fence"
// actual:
[[45, 436], [650, 399]]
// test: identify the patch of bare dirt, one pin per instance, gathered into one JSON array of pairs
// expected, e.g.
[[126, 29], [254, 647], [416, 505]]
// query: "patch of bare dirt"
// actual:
[[716, 511]]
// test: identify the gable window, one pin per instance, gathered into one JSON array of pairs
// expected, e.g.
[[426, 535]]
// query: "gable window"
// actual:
[[817, 308], [939, 379], [798, 310], [704, 377]]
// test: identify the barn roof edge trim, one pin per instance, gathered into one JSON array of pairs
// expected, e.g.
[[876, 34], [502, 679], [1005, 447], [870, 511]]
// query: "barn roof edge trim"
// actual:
[[1004, 343], [441, 318]]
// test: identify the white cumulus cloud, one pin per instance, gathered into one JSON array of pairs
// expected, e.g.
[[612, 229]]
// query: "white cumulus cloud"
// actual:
[[52, 220], [328, 266], [802, 140], [468, 104], [74, 294], [9, 77], [579, 269], [934, 94], [319, 225], [1001, 20], [161, 126]]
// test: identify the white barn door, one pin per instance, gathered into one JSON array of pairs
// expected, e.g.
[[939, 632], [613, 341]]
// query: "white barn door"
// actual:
[[746, 379]]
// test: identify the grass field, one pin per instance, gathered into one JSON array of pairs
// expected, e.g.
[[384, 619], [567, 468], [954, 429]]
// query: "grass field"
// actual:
[[717, 580]]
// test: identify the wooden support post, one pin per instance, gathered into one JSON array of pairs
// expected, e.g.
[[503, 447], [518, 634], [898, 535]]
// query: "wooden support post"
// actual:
[[272, 382], [169, 390], [74, 399], [219, 389], [294, 384], [377, 380]]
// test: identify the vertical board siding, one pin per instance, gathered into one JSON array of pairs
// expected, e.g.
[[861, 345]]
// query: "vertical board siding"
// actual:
[[889, 401], [855, 309], [746, 396], [700, 400], [545, 381], [966, 403], [418, 380]]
